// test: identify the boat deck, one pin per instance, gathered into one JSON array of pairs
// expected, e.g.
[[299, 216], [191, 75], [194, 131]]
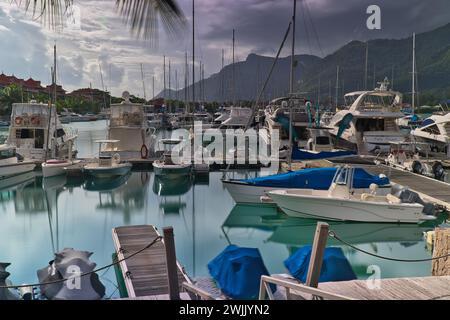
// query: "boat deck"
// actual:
[[146, 273], [430, 189]]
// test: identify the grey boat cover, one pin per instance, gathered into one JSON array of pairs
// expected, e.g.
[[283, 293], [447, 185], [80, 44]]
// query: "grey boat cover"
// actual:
[[67, 264], [6, 294]]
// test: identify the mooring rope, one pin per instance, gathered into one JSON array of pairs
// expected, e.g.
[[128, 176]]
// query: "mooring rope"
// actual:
[[333, 235], [159, 238]]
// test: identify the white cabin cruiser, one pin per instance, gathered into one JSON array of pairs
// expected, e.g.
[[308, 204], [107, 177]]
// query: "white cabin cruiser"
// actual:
[[369, 124], [238, 118], [340, 203], [435, 130], [10, 164], [37, 133], [129, 126]]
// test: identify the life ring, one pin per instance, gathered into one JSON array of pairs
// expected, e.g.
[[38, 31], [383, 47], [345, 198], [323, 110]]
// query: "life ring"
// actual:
[[18, 120], [144, 152], [35, 120]]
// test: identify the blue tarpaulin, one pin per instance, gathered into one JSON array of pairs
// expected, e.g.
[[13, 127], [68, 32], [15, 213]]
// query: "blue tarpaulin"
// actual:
[[299, 154], [335, 266], [238, 272], [316, 178]]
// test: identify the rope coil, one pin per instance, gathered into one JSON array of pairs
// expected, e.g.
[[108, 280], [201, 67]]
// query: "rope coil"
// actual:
[[159, 238], [333, 235]]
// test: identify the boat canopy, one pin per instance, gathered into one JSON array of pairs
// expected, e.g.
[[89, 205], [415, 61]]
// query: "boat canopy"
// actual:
[[335, 266], [316, 178], [238, 272], [299, 154]]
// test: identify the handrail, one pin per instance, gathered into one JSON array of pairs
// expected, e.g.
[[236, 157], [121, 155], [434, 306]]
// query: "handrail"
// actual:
[[265, 288]]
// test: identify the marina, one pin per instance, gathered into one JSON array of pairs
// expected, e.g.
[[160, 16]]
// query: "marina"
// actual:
[[256, 182]]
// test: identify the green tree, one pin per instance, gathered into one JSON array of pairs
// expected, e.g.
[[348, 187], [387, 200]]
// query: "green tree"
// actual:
[[9, 95]]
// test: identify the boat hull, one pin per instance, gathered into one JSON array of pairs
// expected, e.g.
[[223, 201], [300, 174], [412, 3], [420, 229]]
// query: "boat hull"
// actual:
[[346, 210], [13, 169], [108, 172], [171, 171], [56, 169]]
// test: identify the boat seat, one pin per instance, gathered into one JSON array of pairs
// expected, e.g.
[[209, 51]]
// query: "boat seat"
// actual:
[[393, 199]]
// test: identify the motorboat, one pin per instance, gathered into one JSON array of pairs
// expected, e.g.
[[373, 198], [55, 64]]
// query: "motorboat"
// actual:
[[129, 126], [369, 124], [56, 167], [10, 165], [251, 190], [107, 166], [435, 130], [166, 166], [238, 118], [37, 133], [341, 203]]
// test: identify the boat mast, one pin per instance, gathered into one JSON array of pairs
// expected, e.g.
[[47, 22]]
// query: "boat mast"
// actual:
[[366, 66], [291, 84], [164, 74], [103, 85], [222, 77], [193, 56], [54, 97], [234, 75], [143, 81], [413, 102], [336, 98]]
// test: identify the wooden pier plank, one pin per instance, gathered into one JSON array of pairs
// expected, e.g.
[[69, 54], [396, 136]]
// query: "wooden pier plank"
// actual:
[[423, 288], [146, 273]]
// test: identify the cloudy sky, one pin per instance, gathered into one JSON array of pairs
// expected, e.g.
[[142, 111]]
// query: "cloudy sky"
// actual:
[[100, 39]]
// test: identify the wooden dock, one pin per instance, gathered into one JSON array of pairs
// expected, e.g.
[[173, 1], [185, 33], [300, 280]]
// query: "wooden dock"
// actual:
[[145, 275], [429, 189]]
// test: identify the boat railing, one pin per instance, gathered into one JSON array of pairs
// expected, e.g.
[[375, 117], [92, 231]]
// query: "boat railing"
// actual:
[[199, 293], [294, 288]]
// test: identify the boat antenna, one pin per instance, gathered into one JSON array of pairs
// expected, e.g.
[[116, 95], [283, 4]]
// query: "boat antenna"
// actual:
[[103, 85]]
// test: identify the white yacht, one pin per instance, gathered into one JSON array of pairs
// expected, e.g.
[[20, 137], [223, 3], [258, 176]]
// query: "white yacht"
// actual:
[[435, 130], [166, 167], [369, 124], [10, 164], [128, 124], [37, 133], [220, 117], [107, 166], [238, 118]]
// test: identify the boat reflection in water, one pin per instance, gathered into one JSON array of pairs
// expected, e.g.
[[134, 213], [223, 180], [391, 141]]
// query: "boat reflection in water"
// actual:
[[124, 195], [170, 192]]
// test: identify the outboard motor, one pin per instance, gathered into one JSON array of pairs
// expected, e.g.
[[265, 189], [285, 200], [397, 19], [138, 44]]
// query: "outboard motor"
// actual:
[[408, 196], [438, 171], [6, 294]]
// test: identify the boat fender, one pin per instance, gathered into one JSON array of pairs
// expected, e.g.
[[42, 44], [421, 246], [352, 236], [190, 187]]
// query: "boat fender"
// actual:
[[144, 152], [18, 120], [438, 171], [417, 167]]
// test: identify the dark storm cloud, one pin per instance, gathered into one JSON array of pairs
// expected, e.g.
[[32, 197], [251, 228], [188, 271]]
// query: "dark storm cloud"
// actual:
[[260, 24]]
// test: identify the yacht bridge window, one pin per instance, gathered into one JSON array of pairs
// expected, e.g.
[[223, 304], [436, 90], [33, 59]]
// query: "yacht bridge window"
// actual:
[[36, 134], [363, 125]]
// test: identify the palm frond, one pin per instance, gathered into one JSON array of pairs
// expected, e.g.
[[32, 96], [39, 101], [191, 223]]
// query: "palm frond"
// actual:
[[51, 13], [143, 17]]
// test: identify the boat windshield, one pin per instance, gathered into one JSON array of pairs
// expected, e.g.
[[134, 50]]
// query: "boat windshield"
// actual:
[[7, 153]]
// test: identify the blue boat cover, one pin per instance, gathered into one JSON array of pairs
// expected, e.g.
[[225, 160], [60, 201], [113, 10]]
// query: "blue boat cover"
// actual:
[[316, 178], [238, 272], [335, 266], [299, 154], [427, 122]]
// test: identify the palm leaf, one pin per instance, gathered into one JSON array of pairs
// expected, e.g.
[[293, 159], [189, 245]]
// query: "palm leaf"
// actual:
[[51, 13], [143, 17]]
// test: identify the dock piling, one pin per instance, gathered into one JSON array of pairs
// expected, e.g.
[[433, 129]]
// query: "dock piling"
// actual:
[[441, 267], [171, 260], [318, 249]]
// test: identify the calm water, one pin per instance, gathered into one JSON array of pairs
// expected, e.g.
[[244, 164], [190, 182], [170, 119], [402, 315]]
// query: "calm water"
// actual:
[[39, 218]]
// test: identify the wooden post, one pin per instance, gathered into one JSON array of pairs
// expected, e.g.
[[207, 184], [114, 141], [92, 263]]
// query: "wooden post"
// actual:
[[171, 262], [318, 249], [441, 267]]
